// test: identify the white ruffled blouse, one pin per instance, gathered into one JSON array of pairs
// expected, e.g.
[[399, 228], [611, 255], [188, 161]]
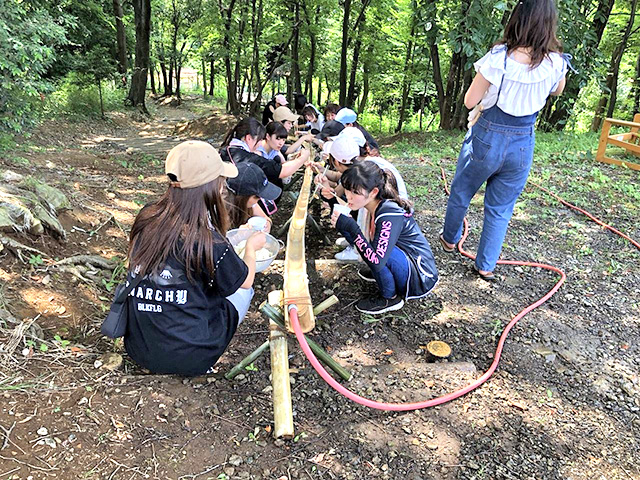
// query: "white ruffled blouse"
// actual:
[[524, 90]]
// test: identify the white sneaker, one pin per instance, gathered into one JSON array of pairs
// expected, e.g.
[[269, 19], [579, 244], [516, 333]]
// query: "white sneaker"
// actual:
[[349, 254], [342, 242]]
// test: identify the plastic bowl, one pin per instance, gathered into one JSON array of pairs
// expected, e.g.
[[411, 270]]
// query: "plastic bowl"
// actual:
[[273, 245]]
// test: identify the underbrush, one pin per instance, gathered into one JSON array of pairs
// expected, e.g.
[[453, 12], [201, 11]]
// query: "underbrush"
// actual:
[[74, 97]]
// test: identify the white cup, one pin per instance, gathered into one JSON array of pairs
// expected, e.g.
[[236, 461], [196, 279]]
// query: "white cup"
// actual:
[[257, 223], [343, 209]]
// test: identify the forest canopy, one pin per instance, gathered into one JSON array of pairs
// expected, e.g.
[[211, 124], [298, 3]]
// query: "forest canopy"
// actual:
[[401, 64]]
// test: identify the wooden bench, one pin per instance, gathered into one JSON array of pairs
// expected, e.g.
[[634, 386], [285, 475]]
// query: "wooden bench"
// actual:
[[630, 141]]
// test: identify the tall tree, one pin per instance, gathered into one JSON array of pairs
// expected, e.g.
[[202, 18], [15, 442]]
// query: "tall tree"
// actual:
[[610, 93], [233, 105], [142, 14], [342, 78], [295, 48], [408, 65], [121, 37], [583, 32], [636, 87]]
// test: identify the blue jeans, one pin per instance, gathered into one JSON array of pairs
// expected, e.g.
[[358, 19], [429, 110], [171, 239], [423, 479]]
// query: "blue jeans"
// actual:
[[497, 150], [392, 278]]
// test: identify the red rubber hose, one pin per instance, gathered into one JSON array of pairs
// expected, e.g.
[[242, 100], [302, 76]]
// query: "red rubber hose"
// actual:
[[293, 317]]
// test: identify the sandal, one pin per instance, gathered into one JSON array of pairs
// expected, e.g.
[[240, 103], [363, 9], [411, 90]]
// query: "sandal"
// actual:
[[487, 277], [445, 246]]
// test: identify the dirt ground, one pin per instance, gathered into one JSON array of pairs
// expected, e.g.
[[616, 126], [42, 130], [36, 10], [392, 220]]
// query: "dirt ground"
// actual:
[[563, 403]]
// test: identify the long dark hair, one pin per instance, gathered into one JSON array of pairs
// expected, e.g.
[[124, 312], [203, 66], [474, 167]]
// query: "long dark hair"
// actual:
[[239, 213], [364, 176], [178, 225], [533, 24], [246, 126]]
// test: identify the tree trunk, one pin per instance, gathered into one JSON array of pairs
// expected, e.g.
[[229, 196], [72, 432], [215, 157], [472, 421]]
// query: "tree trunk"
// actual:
[[180, 56], [365, 85], [101, 101], [212, 76], [636, 98], [239, 56], [609, 96], [171, 76], [165, 80], [308, 89], [256, 102], [320, 87], [326, 79], [342, 78], [204, 78], [142, 13], [255, 64], [232, 99], [437, 78], [295, 47], [152, 77], [557, 117], [406, 78], [460, 113], [121, 38], [352, 76]]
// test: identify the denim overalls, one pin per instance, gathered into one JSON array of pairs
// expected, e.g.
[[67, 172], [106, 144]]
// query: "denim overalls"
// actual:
[[498, 150]]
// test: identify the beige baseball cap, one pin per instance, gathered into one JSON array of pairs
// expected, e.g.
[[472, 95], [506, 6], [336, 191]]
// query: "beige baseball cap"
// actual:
[[281, 114], [195, 163]]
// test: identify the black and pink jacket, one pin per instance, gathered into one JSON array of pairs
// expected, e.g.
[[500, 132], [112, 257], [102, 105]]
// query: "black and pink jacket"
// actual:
[[394, 227]]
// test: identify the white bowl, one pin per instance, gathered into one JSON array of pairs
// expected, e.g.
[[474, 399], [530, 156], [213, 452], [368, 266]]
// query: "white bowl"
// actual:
[[273, 245]]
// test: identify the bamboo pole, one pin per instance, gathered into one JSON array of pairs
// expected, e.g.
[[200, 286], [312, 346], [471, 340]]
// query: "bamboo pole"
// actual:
[[328, 303], [276, 316], [282, 407], [249, 359], [296, 282]]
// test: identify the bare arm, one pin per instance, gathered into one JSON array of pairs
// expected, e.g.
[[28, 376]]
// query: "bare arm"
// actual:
[[476, 91], [558, 91], [254, 242], [305, 138], [290, 167]]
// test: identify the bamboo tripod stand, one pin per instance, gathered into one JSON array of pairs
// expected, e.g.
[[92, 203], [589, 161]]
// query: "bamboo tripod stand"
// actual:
[[295, 290]]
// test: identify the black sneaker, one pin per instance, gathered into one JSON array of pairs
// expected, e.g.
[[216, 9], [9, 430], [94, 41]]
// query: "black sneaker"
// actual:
[[366, 274], [378, 305]]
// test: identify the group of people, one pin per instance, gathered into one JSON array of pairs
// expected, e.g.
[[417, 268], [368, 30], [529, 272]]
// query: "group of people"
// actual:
[[195, 290]]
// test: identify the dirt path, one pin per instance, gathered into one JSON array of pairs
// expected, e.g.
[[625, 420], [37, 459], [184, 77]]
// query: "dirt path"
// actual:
[[563, 404]]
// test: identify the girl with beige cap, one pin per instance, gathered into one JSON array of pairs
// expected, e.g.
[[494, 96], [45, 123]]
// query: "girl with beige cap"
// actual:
[[194, 290]]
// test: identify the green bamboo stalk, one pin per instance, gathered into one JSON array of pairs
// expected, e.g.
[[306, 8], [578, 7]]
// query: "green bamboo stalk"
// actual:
[[248, 360], [276, 315]]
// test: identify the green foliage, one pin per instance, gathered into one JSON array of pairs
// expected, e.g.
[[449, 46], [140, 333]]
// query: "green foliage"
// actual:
[[77, 95], [35, 260], [28, 38], [115, 278]]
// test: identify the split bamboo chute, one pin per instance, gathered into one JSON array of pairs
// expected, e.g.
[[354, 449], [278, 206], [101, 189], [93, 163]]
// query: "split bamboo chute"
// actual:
[[296, 282], [295, 290]]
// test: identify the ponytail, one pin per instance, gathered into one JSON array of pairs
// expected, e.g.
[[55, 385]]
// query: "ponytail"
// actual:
[[390, 190], [246, 126]]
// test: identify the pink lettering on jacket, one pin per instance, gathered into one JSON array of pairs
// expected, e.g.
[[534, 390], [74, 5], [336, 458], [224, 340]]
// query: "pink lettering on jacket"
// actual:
[[383, 239], [366, 250]]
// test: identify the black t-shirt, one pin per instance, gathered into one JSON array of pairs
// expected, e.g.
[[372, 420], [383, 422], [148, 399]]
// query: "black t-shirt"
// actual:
[[179, 327], [271, 168]]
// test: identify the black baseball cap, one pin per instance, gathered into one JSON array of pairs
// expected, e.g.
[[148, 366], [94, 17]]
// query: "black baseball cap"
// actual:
[[251, 180], [330, 129]]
